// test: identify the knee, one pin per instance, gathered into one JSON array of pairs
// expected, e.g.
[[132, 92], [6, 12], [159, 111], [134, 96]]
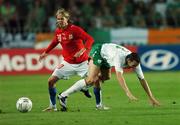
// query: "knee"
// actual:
[[91, 81], [97, 84], [51, 83]]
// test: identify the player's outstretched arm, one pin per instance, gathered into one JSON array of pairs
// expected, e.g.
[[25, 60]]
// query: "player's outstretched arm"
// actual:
[[146, 87], [42, 56], [124, 86]]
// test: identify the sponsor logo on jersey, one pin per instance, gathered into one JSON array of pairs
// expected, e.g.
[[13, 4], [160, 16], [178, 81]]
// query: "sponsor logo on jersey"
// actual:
[[159, 59]]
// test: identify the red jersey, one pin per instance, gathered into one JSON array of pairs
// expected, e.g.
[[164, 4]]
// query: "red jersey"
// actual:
[[72, 40]]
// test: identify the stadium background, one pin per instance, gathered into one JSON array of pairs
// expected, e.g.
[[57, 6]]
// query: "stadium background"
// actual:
[[144, 24], [149, 27]]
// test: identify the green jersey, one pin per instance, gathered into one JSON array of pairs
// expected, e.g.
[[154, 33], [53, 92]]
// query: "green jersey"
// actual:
[[108, 55]]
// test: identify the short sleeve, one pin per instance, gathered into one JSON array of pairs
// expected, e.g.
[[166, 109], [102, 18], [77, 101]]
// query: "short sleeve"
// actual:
[[139, 72], [118, 64]]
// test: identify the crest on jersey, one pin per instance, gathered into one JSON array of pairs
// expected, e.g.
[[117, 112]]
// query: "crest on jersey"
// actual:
[[59, 37], [64, 37], [70, 36], [99, 61]]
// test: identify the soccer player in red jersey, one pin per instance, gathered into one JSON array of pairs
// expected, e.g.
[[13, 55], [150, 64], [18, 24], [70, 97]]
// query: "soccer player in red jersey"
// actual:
[[76, 45]]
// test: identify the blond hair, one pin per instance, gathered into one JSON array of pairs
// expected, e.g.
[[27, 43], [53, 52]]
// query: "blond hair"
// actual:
[[63, 12]]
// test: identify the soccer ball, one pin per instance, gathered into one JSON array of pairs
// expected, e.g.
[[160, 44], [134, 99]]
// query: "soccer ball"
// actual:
[[24, 104]]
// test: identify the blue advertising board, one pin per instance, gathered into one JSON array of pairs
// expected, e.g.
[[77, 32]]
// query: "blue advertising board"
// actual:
[[160, 58]]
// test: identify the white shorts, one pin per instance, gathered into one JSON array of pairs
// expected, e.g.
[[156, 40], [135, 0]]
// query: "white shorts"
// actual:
[[65, 69]]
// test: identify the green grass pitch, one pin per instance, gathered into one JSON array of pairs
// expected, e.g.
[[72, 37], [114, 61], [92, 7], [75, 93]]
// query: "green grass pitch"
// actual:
[[164, 85]]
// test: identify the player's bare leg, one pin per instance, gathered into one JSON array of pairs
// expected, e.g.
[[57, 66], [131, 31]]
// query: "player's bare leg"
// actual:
[[104, 75]]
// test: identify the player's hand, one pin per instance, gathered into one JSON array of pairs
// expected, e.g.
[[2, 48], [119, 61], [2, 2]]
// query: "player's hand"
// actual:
[[42, 56], [78, 54], [154, 102], [131, 97]]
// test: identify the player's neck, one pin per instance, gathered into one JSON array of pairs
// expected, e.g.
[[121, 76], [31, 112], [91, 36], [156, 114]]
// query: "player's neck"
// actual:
[[62, 27]]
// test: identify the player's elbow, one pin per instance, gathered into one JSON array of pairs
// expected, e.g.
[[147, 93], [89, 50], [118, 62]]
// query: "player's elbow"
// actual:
[[91, 81], [91, 39]]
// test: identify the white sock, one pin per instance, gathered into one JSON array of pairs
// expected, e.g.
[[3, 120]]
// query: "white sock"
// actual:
[[51, 105], [86, 87], [74, 88]]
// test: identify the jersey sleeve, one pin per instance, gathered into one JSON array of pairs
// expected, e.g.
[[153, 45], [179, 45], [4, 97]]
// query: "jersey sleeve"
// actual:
[[139, 72], [53, 44], [117, 64], [80, 33]]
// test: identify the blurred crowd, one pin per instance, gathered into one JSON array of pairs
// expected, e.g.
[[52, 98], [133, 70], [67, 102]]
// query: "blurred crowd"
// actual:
[[20, 20], [38, 15]]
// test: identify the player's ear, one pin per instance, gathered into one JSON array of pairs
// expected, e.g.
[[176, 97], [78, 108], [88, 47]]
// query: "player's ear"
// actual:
[[128, 58]]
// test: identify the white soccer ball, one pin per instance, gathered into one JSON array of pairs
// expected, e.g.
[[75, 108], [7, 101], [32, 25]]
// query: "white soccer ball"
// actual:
[[24, 104]]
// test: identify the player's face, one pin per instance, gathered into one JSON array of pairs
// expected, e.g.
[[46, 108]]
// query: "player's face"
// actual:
[[132, 63], [61, 21]]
